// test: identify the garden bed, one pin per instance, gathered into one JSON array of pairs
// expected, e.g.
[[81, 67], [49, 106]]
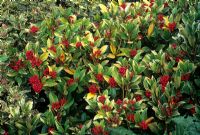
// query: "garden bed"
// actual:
[[82, 67]]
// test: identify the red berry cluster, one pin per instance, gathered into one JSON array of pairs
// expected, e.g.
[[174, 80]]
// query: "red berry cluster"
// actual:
[[58, 104], [33, 29], [53, 74], [112, 82], [161, 20], [34, 60], [78, 44], [99, 77], [122, 71], [17, 65], [53, 48], [93, 89], [185, 77], [102, 99], [98, 130], [70, 81], [36, 83], [163, 81], [130, 117], [65, 43], [133, 53], [143, 125], [97, 53], [172, 26]]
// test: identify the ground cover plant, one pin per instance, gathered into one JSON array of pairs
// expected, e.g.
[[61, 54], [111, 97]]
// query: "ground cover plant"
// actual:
[[101, 68]]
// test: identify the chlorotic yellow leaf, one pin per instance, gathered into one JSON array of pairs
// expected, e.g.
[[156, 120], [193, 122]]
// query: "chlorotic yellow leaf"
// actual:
[[103, 49], [90, 95], [110, 55], [49, 42], [121, 54], [103, 8], [58, 34], [50, 69], [98, 116], [150, 29], [62, 57], [69, 71], [44, 49], [146, 2], [44, 56], [117, 65], [113, 49], [120, 2], [106, 78], [166, 20]]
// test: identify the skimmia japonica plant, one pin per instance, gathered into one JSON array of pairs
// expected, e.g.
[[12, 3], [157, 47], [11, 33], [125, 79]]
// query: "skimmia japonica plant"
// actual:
[[130, 68]]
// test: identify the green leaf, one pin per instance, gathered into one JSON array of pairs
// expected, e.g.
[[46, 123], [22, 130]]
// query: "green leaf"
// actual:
[[72, 87], [186, 125], [120, 131], [3, 58], [52, 97], [50, 83], [69, 104], [59, 127], [154, 127]]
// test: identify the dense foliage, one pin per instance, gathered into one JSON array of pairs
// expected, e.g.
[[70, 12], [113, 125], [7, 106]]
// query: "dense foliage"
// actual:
[[96, 67]]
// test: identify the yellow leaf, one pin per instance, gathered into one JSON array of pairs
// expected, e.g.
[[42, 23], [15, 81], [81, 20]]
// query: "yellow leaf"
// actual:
[[103, 49], [121, 54], [146, 2], [110, 55], [150, 29], [166, 20], [117, 65], [120, 2], [113, 49], [49, 42], [90, 95], [50, 69], [69, 71], [62, 57], [44, 49], [58, 34], [103, 8], [44, 56], [106, 78], [98, 116]]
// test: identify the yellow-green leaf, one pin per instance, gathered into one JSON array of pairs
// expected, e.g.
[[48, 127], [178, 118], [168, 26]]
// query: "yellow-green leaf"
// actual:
[[90, 95], [49, 42], [103, 8], [69, 71], [113, 49], [98, 116], [106, 78], [44, 49], [44, 56], [111, 56], [103, 49], [120, 2], [150, 29]]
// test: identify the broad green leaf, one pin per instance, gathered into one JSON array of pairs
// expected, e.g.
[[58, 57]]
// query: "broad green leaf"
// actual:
[[50, 83], [52, 97]]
